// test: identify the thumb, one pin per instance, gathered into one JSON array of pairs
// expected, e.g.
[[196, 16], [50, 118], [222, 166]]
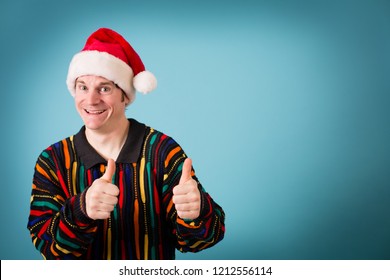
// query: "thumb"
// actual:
[[110, 170], [186, 171]]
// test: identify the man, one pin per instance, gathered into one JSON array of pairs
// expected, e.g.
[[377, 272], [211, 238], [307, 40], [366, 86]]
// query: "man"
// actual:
[[118, 189]]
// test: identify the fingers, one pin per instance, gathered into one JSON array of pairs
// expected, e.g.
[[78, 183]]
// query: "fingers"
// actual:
[[101, 209], [102, 195], [186, 171], [188, 215], [189, 206], [101, 215], [109, 189], [186, 195], [187, 200], [110, 171], [190, 187]]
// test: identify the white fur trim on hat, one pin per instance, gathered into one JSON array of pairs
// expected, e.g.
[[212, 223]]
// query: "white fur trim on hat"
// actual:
[[104, 65]]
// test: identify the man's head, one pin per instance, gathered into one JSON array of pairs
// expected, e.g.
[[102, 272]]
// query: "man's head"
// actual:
[[100, 103], [107, 54]]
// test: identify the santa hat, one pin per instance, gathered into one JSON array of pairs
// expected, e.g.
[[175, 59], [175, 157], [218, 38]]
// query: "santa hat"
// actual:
[[107, 54]]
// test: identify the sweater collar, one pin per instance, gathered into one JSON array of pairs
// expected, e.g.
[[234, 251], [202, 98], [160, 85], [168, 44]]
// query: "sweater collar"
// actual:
[[130, 152]]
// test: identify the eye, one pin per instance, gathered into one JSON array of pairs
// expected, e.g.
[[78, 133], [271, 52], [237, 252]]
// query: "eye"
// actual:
[[105, 90], [81, 88]]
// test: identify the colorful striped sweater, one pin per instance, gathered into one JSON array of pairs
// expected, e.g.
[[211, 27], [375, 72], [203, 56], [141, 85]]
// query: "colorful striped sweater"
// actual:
[[144, 223]]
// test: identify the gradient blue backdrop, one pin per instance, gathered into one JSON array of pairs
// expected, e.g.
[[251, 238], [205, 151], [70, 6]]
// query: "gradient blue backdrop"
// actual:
[[283, 106]]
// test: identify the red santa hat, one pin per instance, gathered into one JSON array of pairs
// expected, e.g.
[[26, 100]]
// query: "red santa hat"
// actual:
[[107, 54]]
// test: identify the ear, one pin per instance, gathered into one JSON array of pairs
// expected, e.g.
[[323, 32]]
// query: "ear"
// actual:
[[125, 98]]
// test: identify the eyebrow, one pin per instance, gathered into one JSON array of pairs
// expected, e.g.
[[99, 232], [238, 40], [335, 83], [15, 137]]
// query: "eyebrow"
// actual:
[[100, 84]]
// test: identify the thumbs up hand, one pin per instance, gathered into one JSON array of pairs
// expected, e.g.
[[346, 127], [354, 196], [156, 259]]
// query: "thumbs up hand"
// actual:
[[102, 195], [186, 195]]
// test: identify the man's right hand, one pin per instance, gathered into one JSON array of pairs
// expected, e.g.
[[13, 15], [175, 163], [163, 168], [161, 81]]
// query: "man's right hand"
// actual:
[[102, 195]]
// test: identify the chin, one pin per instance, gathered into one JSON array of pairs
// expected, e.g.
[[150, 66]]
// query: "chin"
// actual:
[[93, 124]]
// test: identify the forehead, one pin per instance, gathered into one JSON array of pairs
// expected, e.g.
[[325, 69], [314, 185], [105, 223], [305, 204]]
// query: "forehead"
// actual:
[[91, 79]]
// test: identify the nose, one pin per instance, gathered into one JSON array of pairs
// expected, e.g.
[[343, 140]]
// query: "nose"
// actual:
[[92, 97]]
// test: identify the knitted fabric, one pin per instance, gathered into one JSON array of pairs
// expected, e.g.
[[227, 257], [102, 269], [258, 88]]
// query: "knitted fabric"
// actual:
[[144, 223]]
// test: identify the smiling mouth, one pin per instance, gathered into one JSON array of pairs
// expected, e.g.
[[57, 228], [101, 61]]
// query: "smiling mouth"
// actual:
[[94, 112]]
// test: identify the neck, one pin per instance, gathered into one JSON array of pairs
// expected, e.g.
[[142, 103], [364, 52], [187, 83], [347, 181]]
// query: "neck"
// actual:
[[109, 143]]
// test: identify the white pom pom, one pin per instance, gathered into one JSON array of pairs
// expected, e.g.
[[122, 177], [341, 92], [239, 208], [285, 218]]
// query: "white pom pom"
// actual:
[[144, 82]]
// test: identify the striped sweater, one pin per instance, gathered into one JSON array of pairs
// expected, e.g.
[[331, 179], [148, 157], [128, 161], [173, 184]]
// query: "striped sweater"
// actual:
[[143, 225]]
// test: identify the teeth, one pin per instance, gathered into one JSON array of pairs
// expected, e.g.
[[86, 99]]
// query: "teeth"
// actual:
[[94, 112]]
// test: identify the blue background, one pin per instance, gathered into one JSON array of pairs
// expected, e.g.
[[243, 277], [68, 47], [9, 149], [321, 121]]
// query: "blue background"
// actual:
[[283, 106]]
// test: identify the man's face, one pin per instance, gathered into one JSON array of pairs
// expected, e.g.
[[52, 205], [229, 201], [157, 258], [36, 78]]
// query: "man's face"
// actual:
[[100, 103]]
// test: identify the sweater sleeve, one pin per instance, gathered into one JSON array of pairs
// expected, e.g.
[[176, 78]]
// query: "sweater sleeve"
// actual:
[[206, 230], [58, 224]]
